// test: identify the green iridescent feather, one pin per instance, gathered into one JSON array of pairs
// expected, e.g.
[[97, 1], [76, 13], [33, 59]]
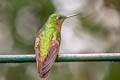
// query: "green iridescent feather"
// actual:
[[49, 30]]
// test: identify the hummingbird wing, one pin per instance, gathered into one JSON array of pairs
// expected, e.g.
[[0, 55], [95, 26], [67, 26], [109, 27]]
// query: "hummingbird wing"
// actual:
[[45, 66]]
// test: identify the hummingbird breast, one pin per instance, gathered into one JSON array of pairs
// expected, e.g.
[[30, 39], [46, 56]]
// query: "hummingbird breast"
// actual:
[[45, 42]]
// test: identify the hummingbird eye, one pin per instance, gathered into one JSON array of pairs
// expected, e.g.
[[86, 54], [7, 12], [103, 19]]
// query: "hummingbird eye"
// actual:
[[59, 17]]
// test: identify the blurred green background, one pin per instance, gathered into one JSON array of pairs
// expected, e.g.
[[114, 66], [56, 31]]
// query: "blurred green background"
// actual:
[[97, 29]]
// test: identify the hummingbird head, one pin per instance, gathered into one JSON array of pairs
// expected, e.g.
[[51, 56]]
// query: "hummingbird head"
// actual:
[[57, 18], [55, 21]]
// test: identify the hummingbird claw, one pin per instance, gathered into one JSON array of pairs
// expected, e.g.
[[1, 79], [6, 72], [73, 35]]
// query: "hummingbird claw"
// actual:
[[58, 52]]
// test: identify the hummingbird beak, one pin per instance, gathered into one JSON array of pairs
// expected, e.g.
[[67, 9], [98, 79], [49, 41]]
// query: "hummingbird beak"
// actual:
[[72, 15]]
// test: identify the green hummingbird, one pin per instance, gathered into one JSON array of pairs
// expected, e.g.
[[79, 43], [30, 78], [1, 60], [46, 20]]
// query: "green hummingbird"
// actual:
[[47, 43]]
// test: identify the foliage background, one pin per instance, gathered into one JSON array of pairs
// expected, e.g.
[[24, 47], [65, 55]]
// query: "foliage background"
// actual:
[[97, 29]]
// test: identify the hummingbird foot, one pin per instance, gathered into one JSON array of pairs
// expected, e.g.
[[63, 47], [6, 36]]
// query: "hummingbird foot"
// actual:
[[58, 52]]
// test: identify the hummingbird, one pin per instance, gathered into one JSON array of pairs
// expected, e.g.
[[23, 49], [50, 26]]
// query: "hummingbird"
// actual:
[[47, 43]]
